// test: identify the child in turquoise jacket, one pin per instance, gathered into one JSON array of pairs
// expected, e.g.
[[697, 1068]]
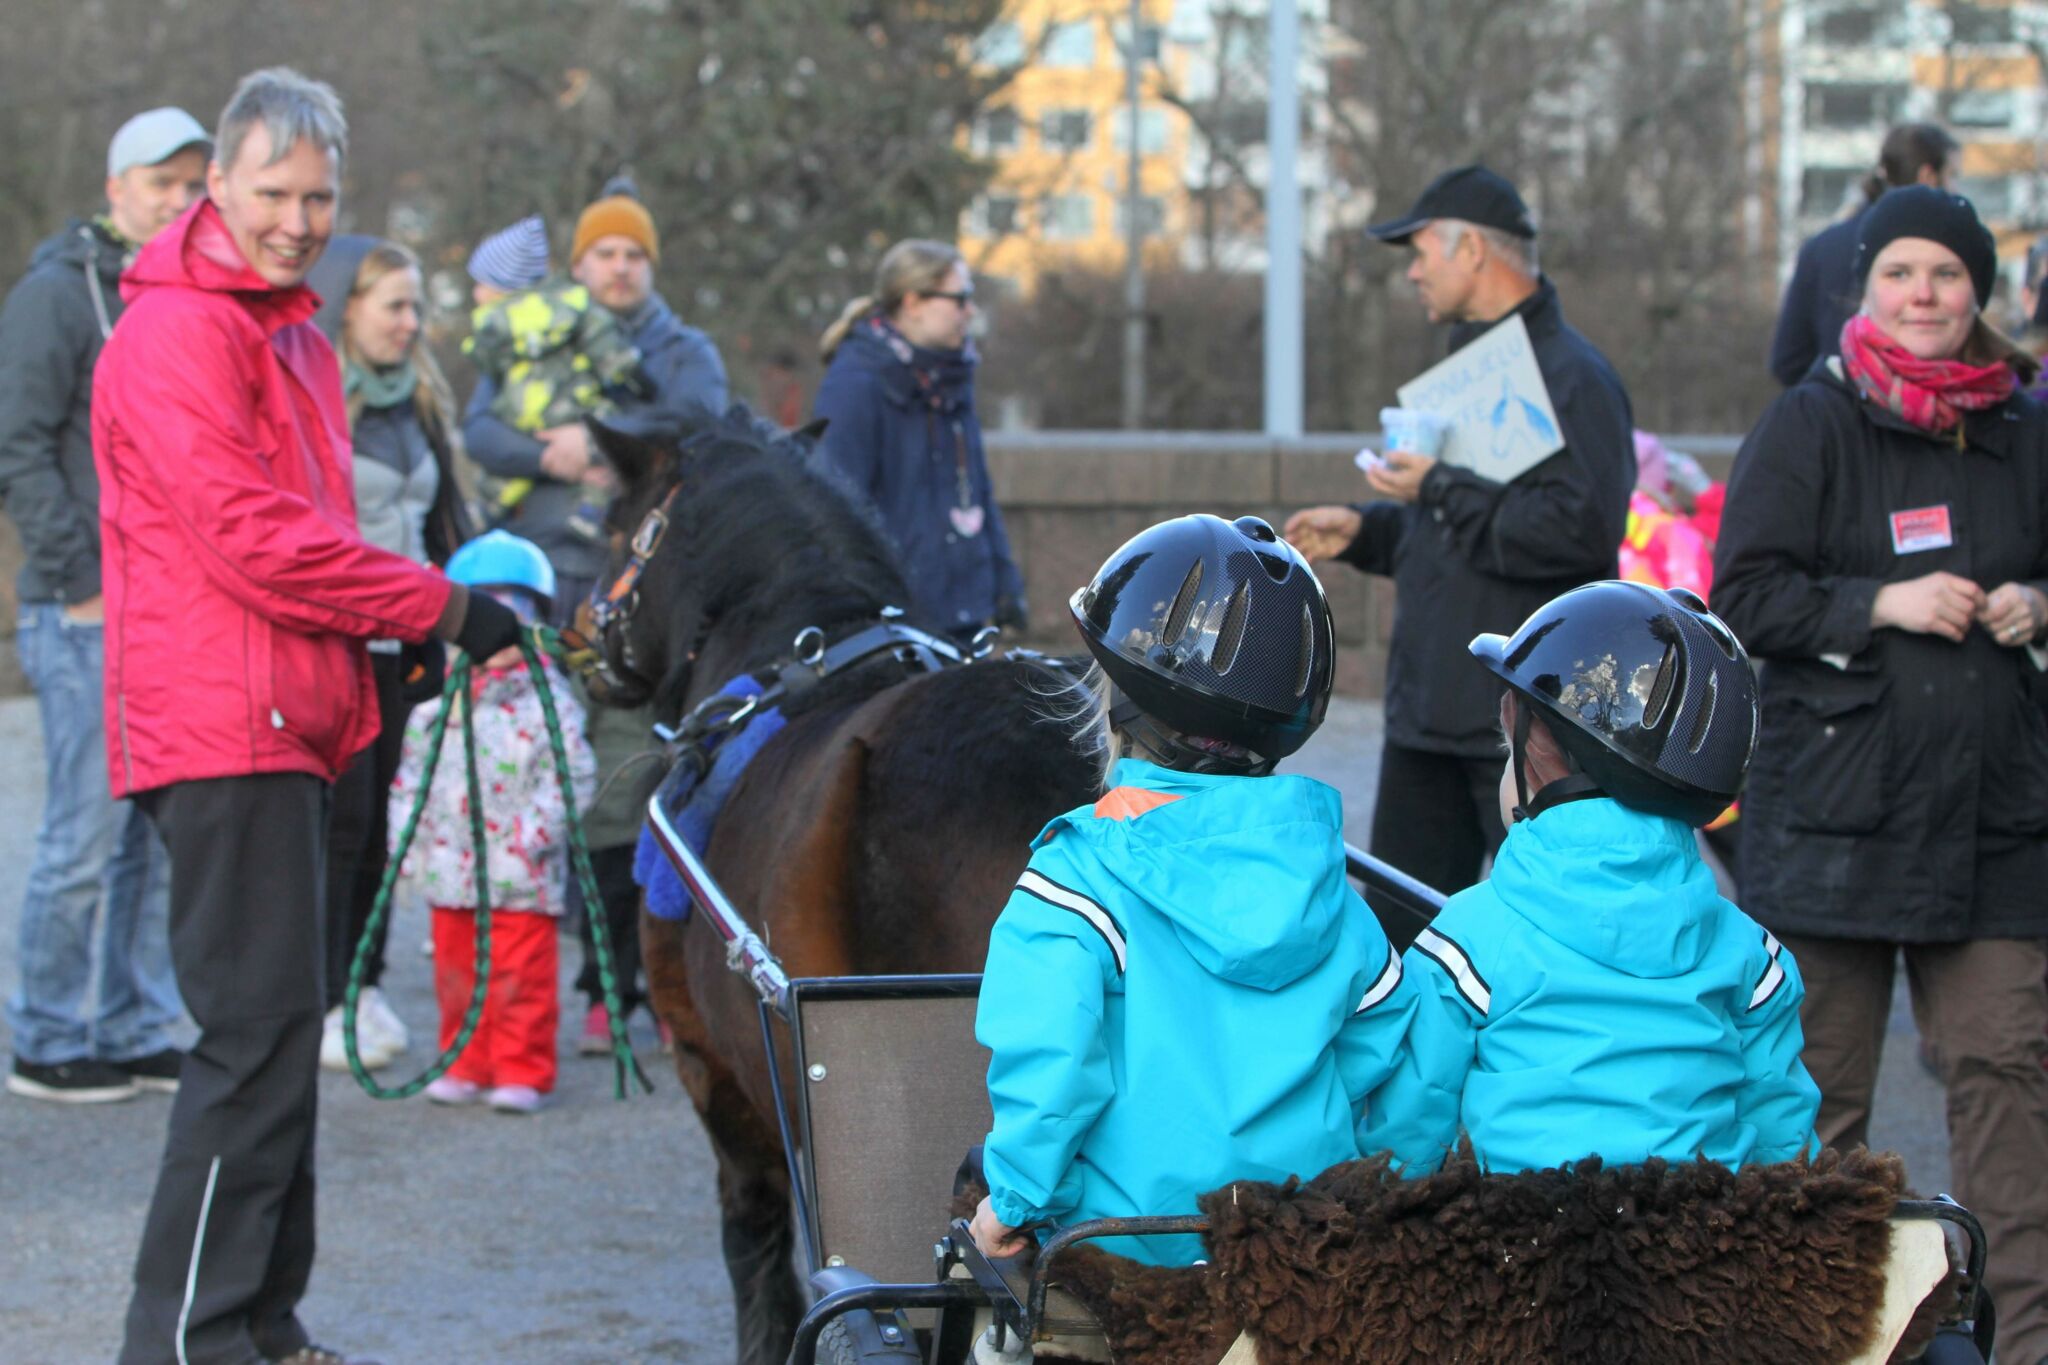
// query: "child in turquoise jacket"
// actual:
[[1184, 989], [1597, 995]]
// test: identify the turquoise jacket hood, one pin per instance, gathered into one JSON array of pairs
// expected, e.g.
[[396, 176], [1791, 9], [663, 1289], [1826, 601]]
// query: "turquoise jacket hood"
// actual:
[[1623, 890], [1182, 991], [1282, 835]]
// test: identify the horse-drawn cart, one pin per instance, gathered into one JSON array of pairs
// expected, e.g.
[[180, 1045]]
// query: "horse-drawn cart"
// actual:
[[871, 836], [881, 1087]]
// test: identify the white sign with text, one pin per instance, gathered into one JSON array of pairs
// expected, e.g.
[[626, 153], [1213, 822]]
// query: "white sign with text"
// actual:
[[1492, 394]]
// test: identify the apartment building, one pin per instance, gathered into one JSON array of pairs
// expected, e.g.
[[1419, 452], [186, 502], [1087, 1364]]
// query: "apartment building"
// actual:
[[1837, 73], [1059, 134]]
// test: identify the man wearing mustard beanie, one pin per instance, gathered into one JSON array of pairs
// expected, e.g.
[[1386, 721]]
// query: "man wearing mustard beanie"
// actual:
[[613, 254]]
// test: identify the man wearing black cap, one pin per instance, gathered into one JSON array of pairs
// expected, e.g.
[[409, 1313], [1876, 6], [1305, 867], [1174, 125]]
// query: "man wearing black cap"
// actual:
[[1468, 554]]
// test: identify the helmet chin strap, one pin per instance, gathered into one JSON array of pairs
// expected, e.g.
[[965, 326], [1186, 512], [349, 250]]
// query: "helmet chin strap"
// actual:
[[1577, 785]]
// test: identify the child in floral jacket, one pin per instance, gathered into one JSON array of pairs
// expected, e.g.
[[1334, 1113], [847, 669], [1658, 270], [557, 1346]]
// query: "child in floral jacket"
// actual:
[[510, 1062]]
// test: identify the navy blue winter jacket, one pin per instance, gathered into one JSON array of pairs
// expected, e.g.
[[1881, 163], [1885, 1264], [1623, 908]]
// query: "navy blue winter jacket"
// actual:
[[917, 455], [1821, 297]]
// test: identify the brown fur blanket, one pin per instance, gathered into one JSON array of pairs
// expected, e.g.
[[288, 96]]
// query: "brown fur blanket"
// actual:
[[1693, 1264]]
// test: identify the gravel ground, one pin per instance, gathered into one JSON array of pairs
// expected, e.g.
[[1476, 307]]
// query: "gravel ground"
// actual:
[[586, 1234]]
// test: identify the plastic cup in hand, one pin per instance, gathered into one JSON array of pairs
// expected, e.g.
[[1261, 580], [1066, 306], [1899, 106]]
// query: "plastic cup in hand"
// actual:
[[1415, 431]]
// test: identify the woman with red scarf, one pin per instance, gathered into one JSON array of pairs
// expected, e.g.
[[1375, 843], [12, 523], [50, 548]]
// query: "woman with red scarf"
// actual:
[[1884, 554]]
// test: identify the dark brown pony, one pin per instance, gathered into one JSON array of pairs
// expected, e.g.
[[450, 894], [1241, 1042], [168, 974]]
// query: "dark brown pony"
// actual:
[[879, 833]]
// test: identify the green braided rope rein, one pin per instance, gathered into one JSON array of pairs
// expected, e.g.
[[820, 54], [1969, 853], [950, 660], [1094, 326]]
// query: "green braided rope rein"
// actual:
[[533, 642]]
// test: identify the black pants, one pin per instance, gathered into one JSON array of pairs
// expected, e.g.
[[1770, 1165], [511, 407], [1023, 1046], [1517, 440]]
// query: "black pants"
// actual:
[[621, 911], [1437, 816], [228, 1243], [359, 837]]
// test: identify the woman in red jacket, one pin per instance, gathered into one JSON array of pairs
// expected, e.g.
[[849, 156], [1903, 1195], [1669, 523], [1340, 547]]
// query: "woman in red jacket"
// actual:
[[239, 596]]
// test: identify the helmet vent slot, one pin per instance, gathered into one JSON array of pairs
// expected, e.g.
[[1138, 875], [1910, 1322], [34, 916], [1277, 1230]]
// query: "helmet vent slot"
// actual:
[[1183, 606], [1308, 652], [1232, 633], [1661, 690], [1704, 722]]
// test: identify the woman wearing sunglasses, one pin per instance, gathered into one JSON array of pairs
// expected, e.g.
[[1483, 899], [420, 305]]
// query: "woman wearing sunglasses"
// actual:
[[899, 399]]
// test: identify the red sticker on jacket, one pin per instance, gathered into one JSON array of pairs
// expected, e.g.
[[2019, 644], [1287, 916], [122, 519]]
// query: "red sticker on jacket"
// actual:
[[1922, 528]]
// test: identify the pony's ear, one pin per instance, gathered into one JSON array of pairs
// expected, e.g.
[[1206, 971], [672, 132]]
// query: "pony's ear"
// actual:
[[639, 462]]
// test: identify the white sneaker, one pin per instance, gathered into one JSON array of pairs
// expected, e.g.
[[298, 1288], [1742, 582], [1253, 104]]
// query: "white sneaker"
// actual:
[[379, 1025], [453, 1090], [516, 1099], [334, 1047]]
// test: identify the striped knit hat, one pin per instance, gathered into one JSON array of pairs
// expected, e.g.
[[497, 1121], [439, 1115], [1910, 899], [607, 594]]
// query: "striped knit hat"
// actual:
[[516, 258]]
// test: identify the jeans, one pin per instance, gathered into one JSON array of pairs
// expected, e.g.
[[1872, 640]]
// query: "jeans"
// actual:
[[95, 859]]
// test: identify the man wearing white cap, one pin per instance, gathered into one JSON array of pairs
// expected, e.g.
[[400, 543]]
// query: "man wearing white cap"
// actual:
[[91, 847]]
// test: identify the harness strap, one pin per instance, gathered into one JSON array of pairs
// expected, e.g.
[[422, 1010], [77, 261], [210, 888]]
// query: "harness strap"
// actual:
[[918, 650]]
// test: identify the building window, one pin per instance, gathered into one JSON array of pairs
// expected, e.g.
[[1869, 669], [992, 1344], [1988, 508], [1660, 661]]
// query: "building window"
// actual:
[[1991, 194], [1151, 130], [1238, 123], [1069, 45], [1980, 23], [1149, 39], [1981, 109], [1066, 130], [1066, 217], [1000, 45], [1151, 215], [996, 130], [1824, 190], [993, 215], [1850, 26], [1851, 106]]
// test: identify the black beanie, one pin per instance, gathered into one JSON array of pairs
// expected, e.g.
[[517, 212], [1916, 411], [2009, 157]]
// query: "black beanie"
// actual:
[[1938, 216]]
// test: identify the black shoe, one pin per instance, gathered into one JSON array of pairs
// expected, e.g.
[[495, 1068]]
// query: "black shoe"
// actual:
[[81, 1082], [155, 1070]]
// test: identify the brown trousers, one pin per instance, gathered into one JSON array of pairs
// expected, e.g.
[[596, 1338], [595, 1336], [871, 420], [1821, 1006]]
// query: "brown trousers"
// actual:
[[1984, 1007]]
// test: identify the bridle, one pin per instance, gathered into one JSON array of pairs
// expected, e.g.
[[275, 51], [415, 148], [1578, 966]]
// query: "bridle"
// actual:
[[613, 608], [612, 660]]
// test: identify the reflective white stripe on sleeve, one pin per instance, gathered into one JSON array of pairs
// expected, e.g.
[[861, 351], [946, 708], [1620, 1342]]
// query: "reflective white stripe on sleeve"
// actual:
[[1458, 966], [1774, 975], [1052, 893], [1390, 977]]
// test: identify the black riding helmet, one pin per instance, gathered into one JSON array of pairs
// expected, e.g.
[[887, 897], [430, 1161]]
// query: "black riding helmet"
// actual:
[[1215, 629], [1650, 694]]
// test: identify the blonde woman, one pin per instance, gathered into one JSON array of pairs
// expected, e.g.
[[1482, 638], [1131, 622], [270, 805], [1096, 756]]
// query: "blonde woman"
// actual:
[[401, 414], [899, 398]]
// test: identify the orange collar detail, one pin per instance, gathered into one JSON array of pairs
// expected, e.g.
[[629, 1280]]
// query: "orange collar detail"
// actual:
[[1125, 803]]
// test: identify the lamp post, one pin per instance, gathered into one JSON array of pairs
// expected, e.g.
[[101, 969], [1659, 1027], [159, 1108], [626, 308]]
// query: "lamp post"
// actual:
[[1283, 224], [1134, 227]]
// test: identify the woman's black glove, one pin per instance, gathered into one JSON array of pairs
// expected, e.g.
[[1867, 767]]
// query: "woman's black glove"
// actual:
[[422, 668], [488, 626]]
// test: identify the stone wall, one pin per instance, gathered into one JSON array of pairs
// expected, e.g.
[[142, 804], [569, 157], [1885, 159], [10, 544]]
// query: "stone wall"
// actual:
[[1071, 497]]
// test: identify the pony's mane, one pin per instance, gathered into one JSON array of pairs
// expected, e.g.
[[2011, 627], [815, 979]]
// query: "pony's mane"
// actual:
[[776, 540]]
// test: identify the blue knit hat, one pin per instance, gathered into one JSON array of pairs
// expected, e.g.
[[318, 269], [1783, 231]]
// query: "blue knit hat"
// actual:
[[516, 258]]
